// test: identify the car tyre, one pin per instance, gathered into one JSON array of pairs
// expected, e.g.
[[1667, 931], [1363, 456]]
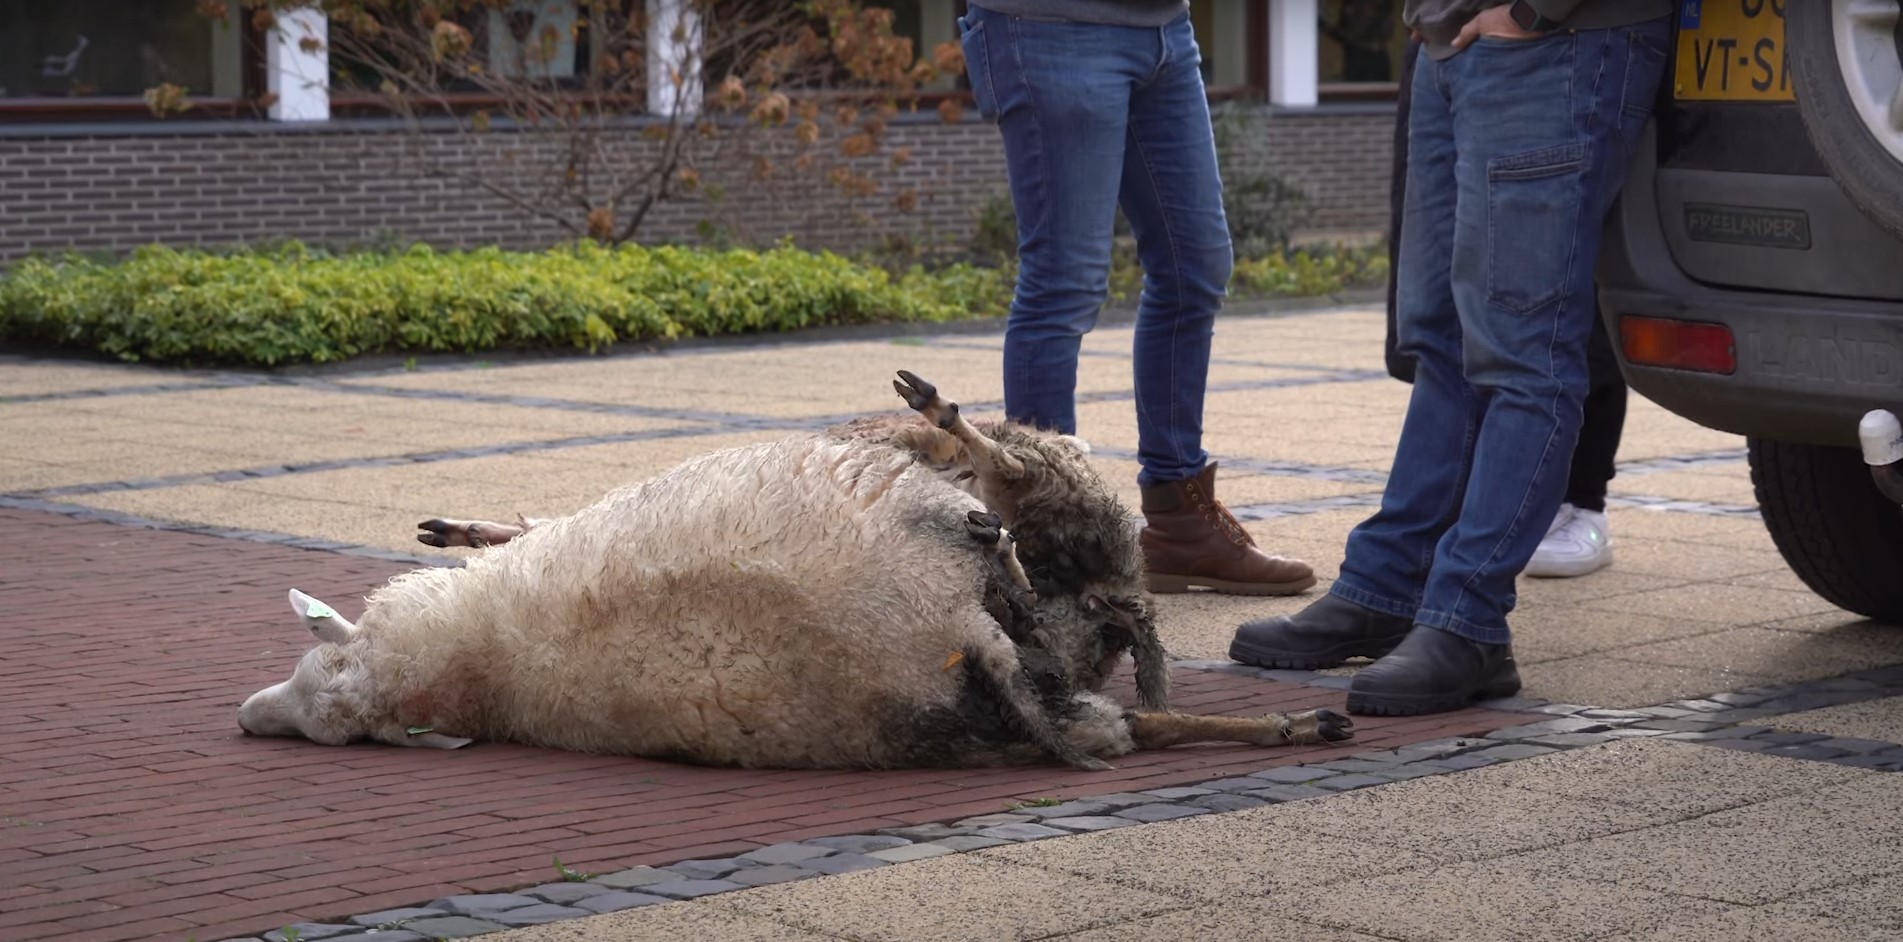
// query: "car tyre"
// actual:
[[1844, 108], [1836, 532]]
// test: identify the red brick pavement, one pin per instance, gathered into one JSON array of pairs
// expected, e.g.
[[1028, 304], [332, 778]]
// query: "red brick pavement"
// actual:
[[132, 807]]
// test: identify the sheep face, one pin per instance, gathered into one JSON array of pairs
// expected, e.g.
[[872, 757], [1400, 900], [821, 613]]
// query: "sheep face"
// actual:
[[327, 699]]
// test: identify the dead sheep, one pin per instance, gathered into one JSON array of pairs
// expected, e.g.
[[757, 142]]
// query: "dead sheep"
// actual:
[[894, 592]]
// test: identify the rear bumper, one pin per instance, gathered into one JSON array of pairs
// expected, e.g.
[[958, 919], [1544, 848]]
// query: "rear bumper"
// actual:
[[1809, 366]]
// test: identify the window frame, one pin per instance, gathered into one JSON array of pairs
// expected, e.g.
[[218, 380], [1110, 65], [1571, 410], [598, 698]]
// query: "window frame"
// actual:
[[248, 105]]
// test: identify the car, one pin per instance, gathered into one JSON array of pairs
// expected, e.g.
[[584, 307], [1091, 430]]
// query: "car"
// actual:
[[1752, 271]]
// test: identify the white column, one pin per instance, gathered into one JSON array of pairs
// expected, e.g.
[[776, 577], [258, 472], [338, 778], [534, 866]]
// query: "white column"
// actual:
[[938, 23], [297, 65], [1294, 53], [674, 47]]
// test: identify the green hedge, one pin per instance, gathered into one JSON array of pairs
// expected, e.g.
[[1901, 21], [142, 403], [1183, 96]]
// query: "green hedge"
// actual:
[[294, 304]]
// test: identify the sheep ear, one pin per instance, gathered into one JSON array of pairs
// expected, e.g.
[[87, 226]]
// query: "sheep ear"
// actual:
[[322, 620]]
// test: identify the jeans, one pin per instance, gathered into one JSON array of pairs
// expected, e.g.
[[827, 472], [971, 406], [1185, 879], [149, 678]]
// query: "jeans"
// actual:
[[1516, 152], [1095, 117]]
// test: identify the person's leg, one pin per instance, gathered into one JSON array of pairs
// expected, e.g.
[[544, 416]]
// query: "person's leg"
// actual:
[[1399, 367], [1172, 195], [1371, 606], [1546, 131], [1060, 95], [1580, 540]]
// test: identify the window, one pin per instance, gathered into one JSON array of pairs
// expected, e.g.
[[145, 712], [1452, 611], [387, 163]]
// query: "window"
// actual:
[[93, 55], [1363, 43]]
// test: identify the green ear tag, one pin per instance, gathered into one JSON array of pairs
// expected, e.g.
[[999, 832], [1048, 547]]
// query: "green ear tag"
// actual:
[[420, 730], [320, 610]]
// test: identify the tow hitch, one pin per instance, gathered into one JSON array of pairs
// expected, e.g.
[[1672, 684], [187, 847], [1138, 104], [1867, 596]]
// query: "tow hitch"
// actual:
[[1882, 437]]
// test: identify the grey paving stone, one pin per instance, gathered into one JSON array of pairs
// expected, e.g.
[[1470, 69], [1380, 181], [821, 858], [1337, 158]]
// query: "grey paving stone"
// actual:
[[1287, 676], [780, 854], [1097, 822], [1232, 784], [1159, 812], [1227, 802], [1790, 739], [1702, 724], [993, 820], [1871, 762], [1614, 716], [711, 868], [690, 889], [1811, 751], [910, 852], [859, 843], [1513, 750], [1022, 831], [1122, 799], [566, 893], [1342, 783], [483, 905], [387, 935], [453, 927], [927, 832], [312, 930], [639, 876], [767, 876], [1858, 746], [1291, 774], [1739, 698], [1332, 682], [1462, 763], [1440, 748], [1738, 745], [1178, 794], [618, 901], [1559, 709], [1069, 809], [1357, 765], [1511, 704], [1280, 793], [537, 915], [847, 863], [1668, 713], [1632, 733], [1402, 773], [388, 916], [965, 842], [1571, 740]]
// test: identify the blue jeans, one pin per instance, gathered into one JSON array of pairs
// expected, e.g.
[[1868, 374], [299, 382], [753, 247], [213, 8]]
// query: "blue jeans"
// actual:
[[1517, 150], [1095, 117]]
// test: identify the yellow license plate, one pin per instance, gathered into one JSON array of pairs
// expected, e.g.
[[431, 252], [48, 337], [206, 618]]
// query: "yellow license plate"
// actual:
[[1732, 50]]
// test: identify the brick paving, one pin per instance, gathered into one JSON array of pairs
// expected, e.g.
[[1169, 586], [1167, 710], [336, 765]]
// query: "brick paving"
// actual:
[[132, 807]]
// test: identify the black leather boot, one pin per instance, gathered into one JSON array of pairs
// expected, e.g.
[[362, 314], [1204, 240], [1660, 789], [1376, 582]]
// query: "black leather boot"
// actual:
[[1326, 633], [1434, 671]]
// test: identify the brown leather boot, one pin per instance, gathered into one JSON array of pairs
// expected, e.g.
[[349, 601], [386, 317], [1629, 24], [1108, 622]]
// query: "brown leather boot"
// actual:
[[1191, 539]]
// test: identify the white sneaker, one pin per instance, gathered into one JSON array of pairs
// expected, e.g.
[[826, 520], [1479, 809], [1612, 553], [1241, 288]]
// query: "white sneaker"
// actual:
[[1576, 544]]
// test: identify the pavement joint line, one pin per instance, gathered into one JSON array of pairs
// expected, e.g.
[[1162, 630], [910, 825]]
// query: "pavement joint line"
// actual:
[[203, 385], [1731, 720]]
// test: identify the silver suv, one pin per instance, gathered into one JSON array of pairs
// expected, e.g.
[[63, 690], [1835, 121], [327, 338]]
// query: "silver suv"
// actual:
[[1753, 270]]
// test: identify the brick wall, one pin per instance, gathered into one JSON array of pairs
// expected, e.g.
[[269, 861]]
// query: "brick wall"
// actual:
[[116, 188]]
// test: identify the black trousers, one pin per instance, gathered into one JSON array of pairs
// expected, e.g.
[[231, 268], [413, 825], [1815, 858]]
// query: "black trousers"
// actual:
[[1603, 420]]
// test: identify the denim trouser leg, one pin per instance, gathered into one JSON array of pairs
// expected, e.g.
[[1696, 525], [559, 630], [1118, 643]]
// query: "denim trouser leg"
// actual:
[[1517, 150], [1093, 117]]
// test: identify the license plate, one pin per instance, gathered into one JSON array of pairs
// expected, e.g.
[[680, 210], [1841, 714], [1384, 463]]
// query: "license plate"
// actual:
[[1732, 50]]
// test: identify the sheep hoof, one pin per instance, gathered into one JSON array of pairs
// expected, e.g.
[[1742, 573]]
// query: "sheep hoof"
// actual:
[[985, 527], [437, 533], [1319, 726], [923, 398]]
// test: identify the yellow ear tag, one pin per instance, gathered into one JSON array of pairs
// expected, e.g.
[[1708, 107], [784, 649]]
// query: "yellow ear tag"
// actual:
[[957, 658], [320, 610]]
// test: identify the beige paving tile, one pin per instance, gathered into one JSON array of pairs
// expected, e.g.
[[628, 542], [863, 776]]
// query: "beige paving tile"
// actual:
[[1218, 858], [1327, 528], [91, 460], [1674, 559], [1651, 432], [1872, 903], [1645, 523], [1602, 680], [643, 459], [1716, 602], [665, 921], [1232, 921], [1201, 624], [1756, 854], [1459, 819], [1606, 583], [19, 475], [24, 424], [1734, 488], [1756, 925], [1826, 621], [1569, 631], [246, 508], [1678, 779], [26, 378], [1496, 902], [994, 900], [1872, 719], [1783, 656]]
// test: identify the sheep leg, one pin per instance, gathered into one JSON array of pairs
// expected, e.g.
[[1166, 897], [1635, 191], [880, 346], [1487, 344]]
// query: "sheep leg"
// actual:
[[996, 468], [1162, 730], [474, 533], [988, 528], [997, 666]]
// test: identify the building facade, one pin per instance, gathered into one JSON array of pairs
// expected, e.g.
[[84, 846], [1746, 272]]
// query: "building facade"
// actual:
[[1305, 89]]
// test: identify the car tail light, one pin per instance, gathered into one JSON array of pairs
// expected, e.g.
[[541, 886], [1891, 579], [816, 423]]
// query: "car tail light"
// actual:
[[1679, 345]]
